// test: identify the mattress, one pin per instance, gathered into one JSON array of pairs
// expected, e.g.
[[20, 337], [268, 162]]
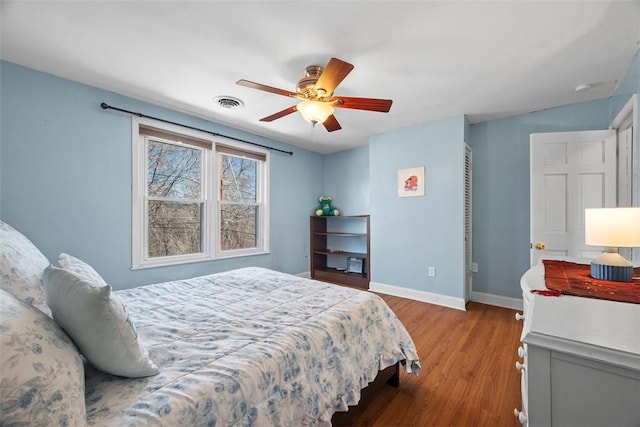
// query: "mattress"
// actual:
[[250, 347]]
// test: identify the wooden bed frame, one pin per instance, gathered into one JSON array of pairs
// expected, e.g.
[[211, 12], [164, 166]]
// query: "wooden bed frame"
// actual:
[[388, 376]]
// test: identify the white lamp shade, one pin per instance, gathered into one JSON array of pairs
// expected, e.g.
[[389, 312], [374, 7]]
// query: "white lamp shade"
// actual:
[[612, 227], [315, 111]]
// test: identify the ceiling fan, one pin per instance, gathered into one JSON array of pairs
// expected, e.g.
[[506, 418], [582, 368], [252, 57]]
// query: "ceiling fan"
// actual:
[[315, 90]]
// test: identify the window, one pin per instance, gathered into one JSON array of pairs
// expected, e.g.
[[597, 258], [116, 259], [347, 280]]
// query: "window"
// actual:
[[239, 208], [174, 198], [195, 197]]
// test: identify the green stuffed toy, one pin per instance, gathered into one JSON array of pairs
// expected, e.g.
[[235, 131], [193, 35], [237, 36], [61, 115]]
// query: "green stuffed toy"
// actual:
[[326, 208]]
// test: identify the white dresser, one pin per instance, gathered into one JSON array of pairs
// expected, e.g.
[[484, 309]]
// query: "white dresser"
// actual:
[[580, 359]]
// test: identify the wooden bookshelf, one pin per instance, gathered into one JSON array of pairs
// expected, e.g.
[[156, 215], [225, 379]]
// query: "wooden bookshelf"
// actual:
[[333, 241]]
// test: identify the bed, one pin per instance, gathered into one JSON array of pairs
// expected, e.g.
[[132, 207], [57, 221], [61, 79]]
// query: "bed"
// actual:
[[245, 347]]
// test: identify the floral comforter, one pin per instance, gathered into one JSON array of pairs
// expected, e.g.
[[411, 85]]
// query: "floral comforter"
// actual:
[[250, 347]]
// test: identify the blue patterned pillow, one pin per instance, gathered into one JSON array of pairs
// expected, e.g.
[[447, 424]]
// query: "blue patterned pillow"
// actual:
[[98, 323], [21, 268], [42, 375]]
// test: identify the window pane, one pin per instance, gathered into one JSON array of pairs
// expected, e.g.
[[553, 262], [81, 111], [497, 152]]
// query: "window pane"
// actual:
[[238, 179], [174, 171], [174, 228], [238, 227]]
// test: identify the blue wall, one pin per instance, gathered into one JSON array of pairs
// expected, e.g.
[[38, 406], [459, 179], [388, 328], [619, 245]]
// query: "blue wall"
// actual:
[[66, 179], [501, 189], [628, 86], [346, 179], [410, 234], [500, 194], [501, 182]]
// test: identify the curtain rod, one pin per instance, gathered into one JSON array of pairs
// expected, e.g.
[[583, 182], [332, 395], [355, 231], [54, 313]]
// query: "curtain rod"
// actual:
[[106, 106]]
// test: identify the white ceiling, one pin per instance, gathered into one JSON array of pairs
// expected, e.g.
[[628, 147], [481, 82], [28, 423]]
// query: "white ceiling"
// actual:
[[434, 59]]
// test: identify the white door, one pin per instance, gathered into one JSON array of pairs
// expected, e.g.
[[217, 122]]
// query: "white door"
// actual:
[[570, 171]]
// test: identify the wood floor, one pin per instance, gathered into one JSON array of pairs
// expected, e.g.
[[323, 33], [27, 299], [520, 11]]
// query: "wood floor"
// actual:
[[468, 375]]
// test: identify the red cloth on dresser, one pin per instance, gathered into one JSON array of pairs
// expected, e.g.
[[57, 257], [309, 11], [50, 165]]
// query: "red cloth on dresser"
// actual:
[[564, 277]]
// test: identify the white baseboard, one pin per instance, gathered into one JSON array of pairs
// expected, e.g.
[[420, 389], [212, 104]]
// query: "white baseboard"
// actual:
[[439, 299], [497, 300], [414, 294]]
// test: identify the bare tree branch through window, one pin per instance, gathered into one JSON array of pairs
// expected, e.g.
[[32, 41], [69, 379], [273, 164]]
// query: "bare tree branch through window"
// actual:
[[238, 202], [196, 197], [174, 205]]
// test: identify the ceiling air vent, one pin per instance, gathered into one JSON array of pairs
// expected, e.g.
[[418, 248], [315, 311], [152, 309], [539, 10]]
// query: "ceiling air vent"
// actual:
[[229, 102]]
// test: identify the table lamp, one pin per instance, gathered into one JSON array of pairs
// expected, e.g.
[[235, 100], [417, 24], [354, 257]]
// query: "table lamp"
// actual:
[[612, 228]]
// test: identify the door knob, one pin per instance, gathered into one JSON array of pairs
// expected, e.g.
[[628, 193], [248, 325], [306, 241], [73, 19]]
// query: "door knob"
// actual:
[[540, 246]]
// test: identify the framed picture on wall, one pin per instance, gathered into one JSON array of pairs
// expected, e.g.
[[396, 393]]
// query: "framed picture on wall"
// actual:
[[411, 182]]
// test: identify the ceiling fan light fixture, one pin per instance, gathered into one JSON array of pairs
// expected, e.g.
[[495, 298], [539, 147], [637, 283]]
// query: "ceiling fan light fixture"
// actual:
[[315, 94], [315, 111]]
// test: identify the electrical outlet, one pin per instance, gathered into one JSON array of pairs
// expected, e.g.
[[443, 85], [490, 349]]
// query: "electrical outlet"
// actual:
[[474, 267], [432, 272]]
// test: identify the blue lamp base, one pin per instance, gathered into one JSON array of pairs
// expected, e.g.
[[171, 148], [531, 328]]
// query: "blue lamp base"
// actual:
[[616, 273]]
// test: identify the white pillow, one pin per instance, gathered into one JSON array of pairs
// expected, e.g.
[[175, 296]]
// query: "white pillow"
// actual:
[[80, 267], [21, 268], [98, 323], [42, 373]]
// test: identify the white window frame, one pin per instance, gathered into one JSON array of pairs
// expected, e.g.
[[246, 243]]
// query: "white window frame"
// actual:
[[211, 225], [261, 192]]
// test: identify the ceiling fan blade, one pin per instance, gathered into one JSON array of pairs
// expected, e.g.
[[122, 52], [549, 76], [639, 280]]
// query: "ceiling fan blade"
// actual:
[[331, 124], [259, 86], [279, 114], [335, 71], [370, 104]]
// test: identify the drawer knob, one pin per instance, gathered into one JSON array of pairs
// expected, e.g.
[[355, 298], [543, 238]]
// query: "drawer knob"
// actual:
[[519, 316], [520, 415], [521, 351], [520, 366]]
